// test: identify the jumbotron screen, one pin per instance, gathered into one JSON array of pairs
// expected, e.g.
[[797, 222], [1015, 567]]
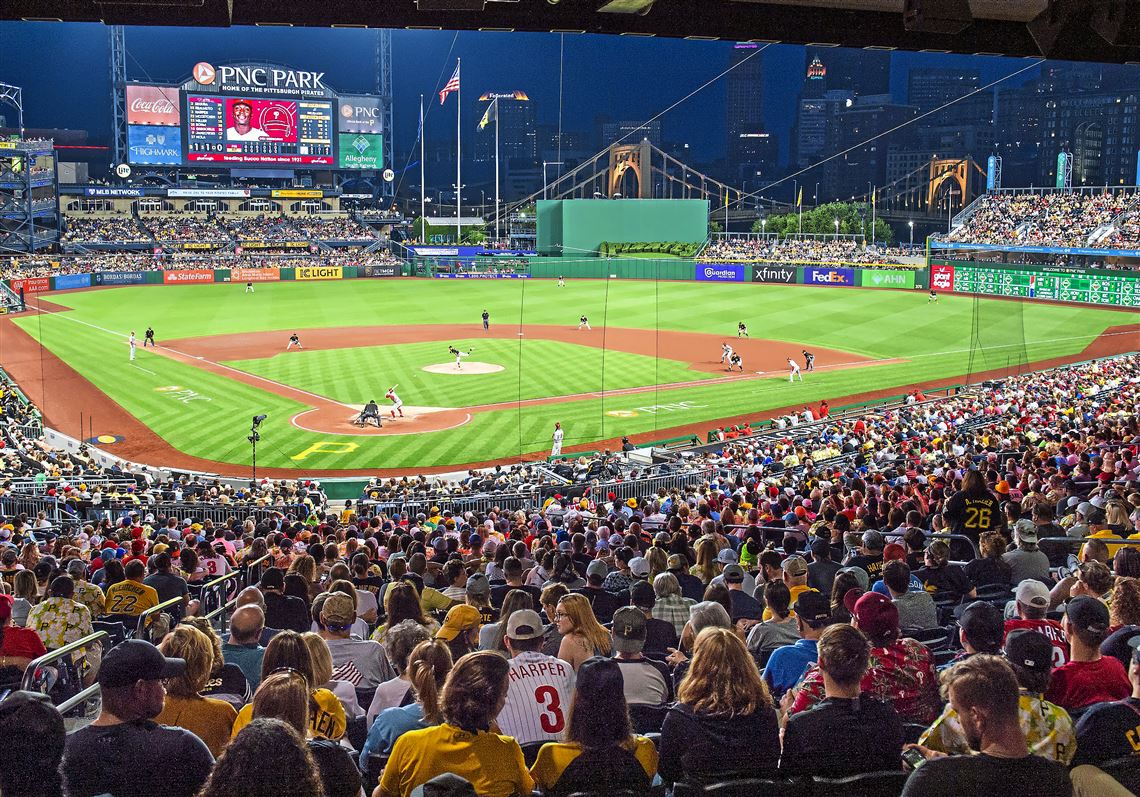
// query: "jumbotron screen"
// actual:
[[228, 129]]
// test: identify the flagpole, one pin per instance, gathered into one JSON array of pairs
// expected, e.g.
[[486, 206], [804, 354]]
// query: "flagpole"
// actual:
[[423, 186], [496, 103], [458, 159], [873, 209]]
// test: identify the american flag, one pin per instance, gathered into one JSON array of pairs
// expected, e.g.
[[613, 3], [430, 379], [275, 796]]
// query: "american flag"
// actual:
[[452, 85]]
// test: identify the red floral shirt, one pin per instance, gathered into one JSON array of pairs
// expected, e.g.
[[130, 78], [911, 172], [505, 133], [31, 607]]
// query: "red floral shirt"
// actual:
[[901, 674]]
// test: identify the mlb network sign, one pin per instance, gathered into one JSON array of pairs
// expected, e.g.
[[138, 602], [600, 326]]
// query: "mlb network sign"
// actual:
[[719, 273], [829, 276]]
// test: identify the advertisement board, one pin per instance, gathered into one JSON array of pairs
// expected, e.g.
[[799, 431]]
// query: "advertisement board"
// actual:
[[361, 151], [153, 105], [258, 130], [708, 272], [886, 278], [782, 274], [119, 277], [273, 244], [829, 276], [98, 190], [65, 282], [359, 115], [1117, 289], [207, 193], [296, 193], [318, 273], [941, 278], [481, 276], [255, 274], [154, 146], [31, 285], [183, 276], [379, 270]]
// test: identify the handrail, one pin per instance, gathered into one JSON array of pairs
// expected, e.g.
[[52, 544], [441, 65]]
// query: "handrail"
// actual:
[[212, 588], [55, 655], [81, 696], [166, 604]]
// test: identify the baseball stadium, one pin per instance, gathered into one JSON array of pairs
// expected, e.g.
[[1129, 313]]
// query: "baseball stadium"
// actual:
[[583, 399]]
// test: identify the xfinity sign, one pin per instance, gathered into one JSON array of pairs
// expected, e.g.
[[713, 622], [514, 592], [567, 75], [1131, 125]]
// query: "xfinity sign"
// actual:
[[707, 272], [784, 274]]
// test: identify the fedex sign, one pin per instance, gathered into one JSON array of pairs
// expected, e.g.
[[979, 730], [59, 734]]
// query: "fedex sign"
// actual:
[[829, 276]]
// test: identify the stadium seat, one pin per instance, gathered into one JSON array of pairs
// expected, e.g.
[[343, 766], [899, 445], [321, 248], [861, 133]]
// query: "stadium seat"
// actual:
[[747, 787], [116, 631], [372, 770], [1126, 771], [647, 719], [530, 752], [867, 784]]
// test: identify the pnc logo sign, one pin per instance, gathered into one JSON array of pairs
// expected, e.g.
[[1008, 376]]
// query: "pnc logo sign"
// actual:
[[204, 73]]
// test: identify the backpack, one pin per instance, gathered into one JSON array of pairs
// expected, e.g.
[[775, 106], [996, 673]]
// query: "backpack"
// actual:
[[608, 769]]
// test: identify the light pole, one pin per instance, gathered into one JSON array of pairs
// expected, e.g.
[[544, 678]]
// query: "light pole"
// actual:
[[815, 196], [544, 165], [837, 228], [459, 210], [254, 436], [911, 225]]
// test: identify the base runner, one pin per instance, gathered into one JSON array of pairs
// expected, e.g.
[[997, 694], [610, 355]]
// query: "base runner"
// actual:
[[725, 353], [795, 370]]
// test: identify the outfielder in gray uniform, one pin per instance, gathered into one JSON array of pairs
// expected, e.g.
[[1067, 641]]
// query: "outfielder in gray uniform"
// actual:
[[539, 687]]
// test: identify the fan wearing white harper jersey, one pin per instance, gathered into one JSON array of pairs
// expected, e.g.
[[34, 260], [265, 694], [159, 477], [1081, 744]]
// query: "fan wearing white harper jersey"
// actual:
[[539, 687]]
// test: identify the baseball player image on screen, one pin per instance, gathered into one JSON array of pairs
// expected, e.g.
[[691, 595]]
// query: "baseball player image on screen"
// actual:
[[539, 687]]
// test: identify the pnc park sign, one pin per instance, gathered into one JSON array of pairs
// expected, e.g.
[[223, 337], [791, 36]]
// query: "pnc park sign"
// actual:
[[257, 79]]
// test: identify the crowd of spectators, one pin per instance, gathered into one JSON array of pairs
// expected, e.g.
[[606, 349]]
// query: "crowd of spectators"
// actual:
[[185, 228], [986, 544], [104, 229], [263, 228], [814, 250], [1059, 218], [329, 228]]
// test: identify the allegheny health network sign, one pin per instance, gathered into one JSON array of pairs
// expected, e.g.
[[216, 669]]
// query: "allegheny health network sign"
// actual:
[[361, 151]]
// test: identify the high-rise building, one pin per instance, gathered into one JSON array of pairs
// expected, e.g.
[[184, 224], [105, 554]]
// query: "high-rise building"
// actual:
[[929, 88], [518, 128], [862, 165], [752, 150], [813, 118], [856, 71], [628, 132]]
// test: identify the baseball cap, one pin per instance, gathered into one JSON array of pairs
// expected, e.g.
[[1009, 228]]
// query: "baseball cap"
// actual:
[[338, 610], [639, 566], [1030, 649], [524, 624], [477, 584], [641, 594], [812, 606], [727, 557], [1025, 531], [677, 562], [137, 660], [1032, 592], [629, 630], [597, 568], [1088, 614], [860, 574], [1134, 643], [983, 625], [874, 540], [894, 552], [795, 566], [459, 618], [273, 578], [876, 615], [733, 574]]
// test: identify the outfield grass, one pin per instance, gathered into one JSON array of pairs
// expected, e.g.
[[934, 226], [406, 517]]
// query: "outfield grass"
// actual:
[[935, 339]]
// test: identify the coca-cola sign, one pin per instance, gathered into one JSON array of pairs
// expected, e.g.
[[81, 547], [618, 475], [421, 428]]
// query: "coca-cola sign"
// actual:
[[153, 105]]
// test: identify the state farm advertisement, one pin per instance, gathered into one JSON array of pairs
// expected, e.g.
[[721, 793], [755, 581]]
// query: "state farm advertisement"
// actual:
[[153, 105], [255, 275], [188, 275], [941, 278]]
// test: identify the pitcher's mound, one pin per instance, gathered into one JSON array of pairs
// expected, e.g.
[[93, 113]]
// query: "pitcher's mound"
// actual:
[[468, 368]]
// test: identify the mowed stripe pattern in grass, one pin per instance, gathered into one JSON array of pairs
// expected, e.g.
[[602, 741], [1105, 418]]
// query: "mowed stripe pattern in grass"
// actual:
[[935, 338], [531, 369]]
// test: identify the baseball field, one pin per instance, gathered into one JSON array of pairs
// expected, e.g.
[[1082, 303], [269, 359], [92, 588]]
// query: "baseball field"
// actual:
[[649, 367]]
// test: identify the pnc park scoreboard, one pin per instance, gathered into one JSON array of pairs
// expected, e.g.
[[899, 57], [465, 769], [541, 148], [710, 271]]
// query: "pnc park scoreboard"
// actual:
[[253, 114], [1111, 288]]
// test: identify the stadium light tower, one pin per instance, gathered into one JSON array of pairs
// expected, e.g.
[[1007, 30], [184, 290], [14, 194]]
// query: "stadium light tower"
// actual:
[[14, 96], [911, 225]]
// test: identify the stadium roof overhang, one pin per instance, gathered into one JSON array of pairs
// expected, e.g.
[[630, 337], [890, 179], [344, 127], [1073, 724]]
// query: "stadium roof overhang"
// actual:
[[1095, 30]]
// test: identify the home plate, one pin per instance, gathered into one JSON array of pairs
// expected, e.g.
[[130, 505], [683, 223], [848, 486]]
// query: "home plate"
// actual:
[[409, 410], [468, 368]]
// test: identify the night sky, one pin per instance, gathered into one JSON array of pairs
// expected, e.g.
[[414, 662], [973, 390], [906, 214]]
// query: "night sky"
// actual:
[[63, 68]]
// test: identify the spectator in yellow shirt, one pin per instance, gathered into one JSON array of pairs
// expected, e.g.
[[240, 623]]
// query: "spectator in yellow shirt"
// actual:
[[131, 597]]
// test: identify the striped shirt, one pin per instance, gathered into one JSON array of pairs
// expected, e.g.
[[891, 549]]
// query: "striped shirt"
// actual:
[[538, 698]]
